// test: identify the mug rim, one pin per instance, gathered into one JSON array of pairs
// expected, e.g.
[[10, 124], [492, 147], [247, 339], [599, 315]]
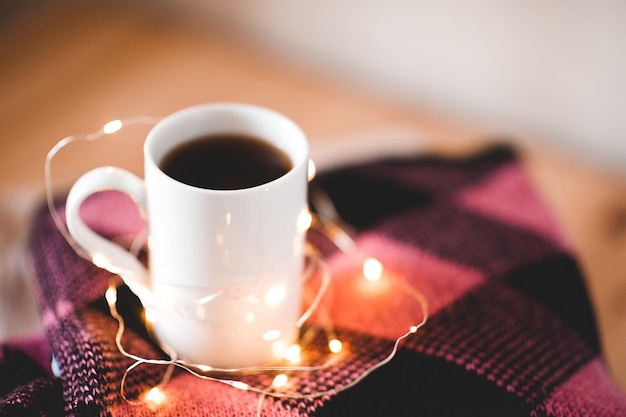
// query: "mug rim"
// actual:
[[298, 160]]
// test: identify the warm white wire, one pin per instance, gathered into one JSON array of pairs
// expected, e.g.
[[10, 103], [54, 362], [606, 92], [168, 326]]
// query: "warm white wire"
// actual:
[[291, 368], [60, 145], [332, 225]]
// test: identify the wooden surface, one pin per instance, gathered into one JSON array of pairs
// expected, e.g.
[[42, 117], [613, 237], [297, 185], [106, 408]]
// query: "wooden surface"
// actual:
[[69, 70]]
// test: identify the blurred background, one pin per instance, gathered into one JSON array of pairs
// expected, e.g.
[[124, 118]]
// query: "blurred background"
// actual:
[[362, 78], [551, 70]]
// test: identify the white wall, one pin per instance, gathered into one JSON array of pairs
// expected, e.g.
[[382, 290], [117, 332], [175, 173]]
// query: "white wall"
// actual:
[[552, 68]]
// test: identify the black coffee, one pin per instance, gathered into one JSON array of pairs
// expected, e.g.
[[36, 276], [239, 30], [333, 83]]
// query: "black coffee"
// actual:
[[225, 162]]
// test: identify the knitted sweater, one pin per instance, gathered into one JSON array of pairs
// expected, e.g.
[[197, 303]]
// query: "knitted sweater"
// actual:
[[510, 329]]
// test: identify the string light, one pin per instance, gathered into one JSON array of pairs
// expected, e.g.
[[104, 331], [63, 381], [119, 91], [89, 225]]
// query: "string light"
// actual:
[[304, 220], [111, 296], [280, 381], [106, 131], [372, 269], [155, 396], [150, 314], [275, 295], [333, 227], [328, 222], [312, 170], [335, 346], [99, 260], [290, 354], [112, 126], [279, 385], [293, 353], [278, 348], [239, 385], [205, 368]]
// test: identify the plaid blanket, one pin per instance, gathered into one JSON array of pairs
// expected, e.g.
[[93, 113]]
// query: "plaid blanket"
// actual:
[[510, 328]]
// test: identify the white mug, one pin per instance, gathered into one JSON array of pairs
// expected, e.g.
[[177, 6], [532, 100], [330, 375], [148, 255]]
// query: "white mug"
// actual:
[[224, 281]]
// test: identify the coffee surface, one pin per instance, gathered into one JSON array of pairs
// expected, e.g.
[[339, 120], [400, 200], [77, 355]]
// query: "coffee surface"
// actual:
[[225, 162]]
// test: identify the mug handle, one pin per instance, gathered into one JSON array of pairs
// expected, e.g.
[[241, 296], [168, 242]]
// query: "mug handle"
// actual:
[[103, 252]]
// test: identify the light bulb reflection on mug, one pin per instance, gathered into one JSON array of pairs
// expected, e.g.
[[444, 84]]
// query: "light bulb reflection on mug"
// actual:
[[280, 381], [271, 335], [275, 295]]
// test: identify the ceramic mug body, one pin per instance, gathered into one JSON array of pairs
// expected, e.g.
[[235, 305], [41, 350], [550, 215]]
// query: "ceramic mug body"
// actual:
[[225, 266]]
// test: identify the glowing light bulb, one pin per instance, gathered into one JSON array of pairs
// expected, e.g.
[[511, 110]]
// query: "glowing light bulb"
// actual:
[[205, 368], [112, 126], [111, 295], [312, 170], [293, 353], [335, 346], [413, 329], [150, 315], [304, 220], [372, 269], [155, 396], [271, 335], [239, 385], [280, 381], [99, 260], [275, 295], [279, 348]]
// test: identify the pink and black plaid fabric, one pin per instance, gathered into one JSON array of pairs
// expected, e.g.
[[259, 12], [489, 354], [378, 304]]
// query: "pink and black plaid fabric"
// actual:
[[510, 331]]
